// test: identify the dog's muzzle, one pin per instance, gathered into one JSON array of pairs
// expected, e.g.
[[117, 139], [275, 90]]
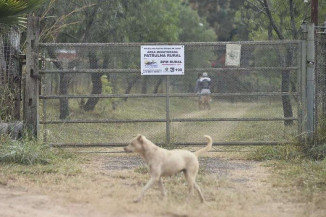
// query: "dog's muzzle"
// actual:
[[126, 149]]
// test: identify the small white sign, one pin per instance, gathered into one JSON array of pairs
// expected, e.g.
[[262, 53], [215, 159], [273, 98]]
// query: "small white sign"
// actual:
[[162, 60], [233, 55]]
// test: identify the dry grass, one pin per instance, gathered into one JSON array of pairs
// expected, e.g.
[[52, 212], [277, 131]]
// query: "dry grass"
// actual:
[[241, 191], [180, 108]]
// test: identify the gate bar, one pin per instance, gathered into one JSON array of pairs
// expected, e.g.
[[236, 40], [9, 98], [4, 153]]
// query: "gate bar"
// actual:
[[162, 120], [46, 97], [90, 71], [87, 145], [137, 44]]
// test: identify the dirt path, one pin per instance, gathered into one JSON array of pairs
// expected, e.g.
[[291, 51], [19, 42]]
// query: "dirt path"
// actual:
[[231, 187], [108, 184], [219, 131], [16, 202]]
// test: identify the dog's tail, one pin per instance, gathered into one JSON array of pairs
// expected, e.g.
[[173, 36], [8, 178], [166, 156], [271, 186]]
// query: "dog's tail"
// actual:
[[207, 147]]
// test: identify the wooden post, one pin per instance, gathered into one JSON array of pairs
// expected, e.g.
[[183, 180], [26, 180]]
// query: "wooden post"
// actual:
[[32, 78], [314, 12]]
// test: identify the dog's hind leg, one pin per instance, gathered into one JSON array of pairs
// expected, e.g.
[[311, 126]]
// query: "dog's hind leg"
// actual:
[[199, 192], [191, 179], [190, 182]]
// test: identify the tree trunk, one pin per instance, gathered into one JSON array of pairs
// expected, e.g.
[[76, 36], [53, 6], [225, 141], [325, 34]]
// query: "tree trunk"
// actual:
[[144, 85], [63, 86], [286, 101], [96, 81], [63, 90], [130, 85], [157, 85]]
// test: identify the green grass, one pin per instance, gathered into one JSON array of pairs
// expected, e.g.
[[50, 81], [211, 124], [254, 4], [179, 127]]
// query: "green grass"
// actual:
[[26, 152], [265, 130], [182, 107], [28, 160], [304, 174], [279, 152]]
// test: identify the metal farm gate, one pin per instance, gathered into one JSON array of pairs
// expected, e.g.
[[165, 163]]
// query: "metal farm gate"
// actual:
[[94, 95]]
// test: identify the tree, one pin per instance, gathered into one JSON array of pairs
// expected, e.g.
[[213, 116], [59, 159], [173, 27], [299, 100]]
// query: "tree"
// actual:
[[276, 19], [220, 15], [123, 21]]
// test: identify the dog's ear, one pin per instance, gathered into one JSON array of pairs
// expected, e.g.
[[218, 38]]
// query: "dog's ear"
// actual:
[[140, 138]]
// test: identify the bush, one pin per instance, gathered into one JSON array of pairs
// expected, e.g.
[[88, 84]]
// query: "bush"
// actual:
[[279, 152], [318, 151], [27, 152]]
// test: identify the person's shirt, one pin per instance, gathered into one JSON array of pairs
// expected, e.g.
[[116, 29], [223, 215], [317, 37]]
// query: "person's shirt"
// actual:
[[205, 83], [197, 87]]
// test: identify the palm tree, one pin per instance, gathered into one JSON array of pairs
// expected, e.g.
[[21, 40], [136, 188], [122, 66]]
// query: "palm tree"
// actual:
[[11, 11]]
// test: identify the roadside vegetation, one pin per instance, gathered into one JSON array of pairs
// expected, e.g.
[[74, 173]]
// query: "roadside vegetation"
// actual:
[[295, 165], [29, 159]]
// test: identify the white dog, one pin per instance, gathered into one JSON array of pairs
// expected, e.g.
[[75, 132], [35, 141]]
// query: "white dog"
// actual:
[[162, 162]]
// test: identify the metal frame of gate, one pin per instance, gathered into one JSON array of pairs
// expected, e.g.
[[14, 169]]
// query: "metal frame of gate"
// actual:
[[168, 120]]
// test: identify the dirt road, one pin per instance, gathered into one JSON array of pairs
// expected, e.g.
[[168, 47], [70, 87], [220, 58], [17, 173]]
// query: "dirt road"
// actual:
[[108, 183], [231, 187]]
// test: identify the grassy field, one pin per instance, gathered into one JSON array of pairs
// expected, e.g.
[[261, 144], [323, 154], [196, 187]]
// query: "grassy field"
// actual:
[[180, 131]]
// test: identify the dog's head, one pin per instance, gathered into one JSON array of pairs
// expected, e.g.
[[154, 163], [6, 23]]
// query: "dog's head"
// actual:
[[136, 144]]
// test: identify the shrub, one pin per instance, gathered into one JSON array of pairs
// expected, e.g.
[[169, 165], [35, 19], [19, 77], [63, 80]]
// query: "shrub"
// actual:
[[28, 152], [279, 152]]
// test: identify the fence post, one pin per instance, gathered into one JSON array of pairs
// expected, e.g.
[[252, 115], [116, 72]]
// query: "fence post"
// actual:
[[168, 138], [32, 77], [308, 82], [323, 72]]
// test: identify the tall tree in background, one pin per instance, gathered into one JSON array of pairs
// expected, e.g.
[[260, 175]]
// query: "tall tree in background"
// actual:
[[122, 21], [220, 16], [275, 19]]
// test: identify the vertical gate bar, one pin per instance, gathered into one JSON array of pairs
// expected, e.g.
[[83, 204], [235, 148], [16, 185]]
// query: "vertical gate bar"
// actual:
[[311, 82], [303, 83], [299, 91], [44, 121], [167, 111]]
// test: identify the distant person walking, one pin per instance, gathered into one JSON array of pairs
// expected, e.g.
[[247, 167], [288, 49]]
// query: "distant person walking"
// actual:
[[203, 87]]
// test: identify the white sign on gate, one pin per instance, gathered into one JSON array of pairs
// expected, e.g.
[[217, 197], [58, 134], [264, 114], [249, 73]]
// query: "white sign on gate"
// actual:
[[233, 55], [162, 60]]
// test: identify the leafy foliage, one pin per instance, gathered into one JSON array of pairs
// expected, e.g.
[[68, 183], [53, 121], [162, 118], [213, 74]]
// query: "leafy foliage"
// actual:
[[28, 152], [12, 10], [253, 21], [220, 15], [122, 21], [281, 152]]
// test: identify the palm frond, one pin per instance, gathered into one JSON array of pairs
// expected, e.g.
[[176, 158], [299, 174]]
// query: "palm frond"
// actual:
[[10, 10]]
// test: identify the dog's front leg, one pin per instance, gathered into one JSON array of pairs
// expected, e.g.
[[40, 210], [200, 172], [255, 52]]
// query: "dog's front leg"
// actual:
[[163, 191], [147, 186]]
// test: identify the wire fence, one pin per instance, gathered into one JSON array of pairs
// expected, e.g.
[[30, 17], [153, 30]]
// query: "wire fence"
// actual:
[[94, 94], [10, 74], [320, 107]]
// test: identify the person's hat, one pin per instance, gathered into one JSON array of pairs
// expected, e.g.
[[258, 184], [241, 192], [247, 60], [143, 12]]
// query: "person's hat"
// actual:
[[205, 74]]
